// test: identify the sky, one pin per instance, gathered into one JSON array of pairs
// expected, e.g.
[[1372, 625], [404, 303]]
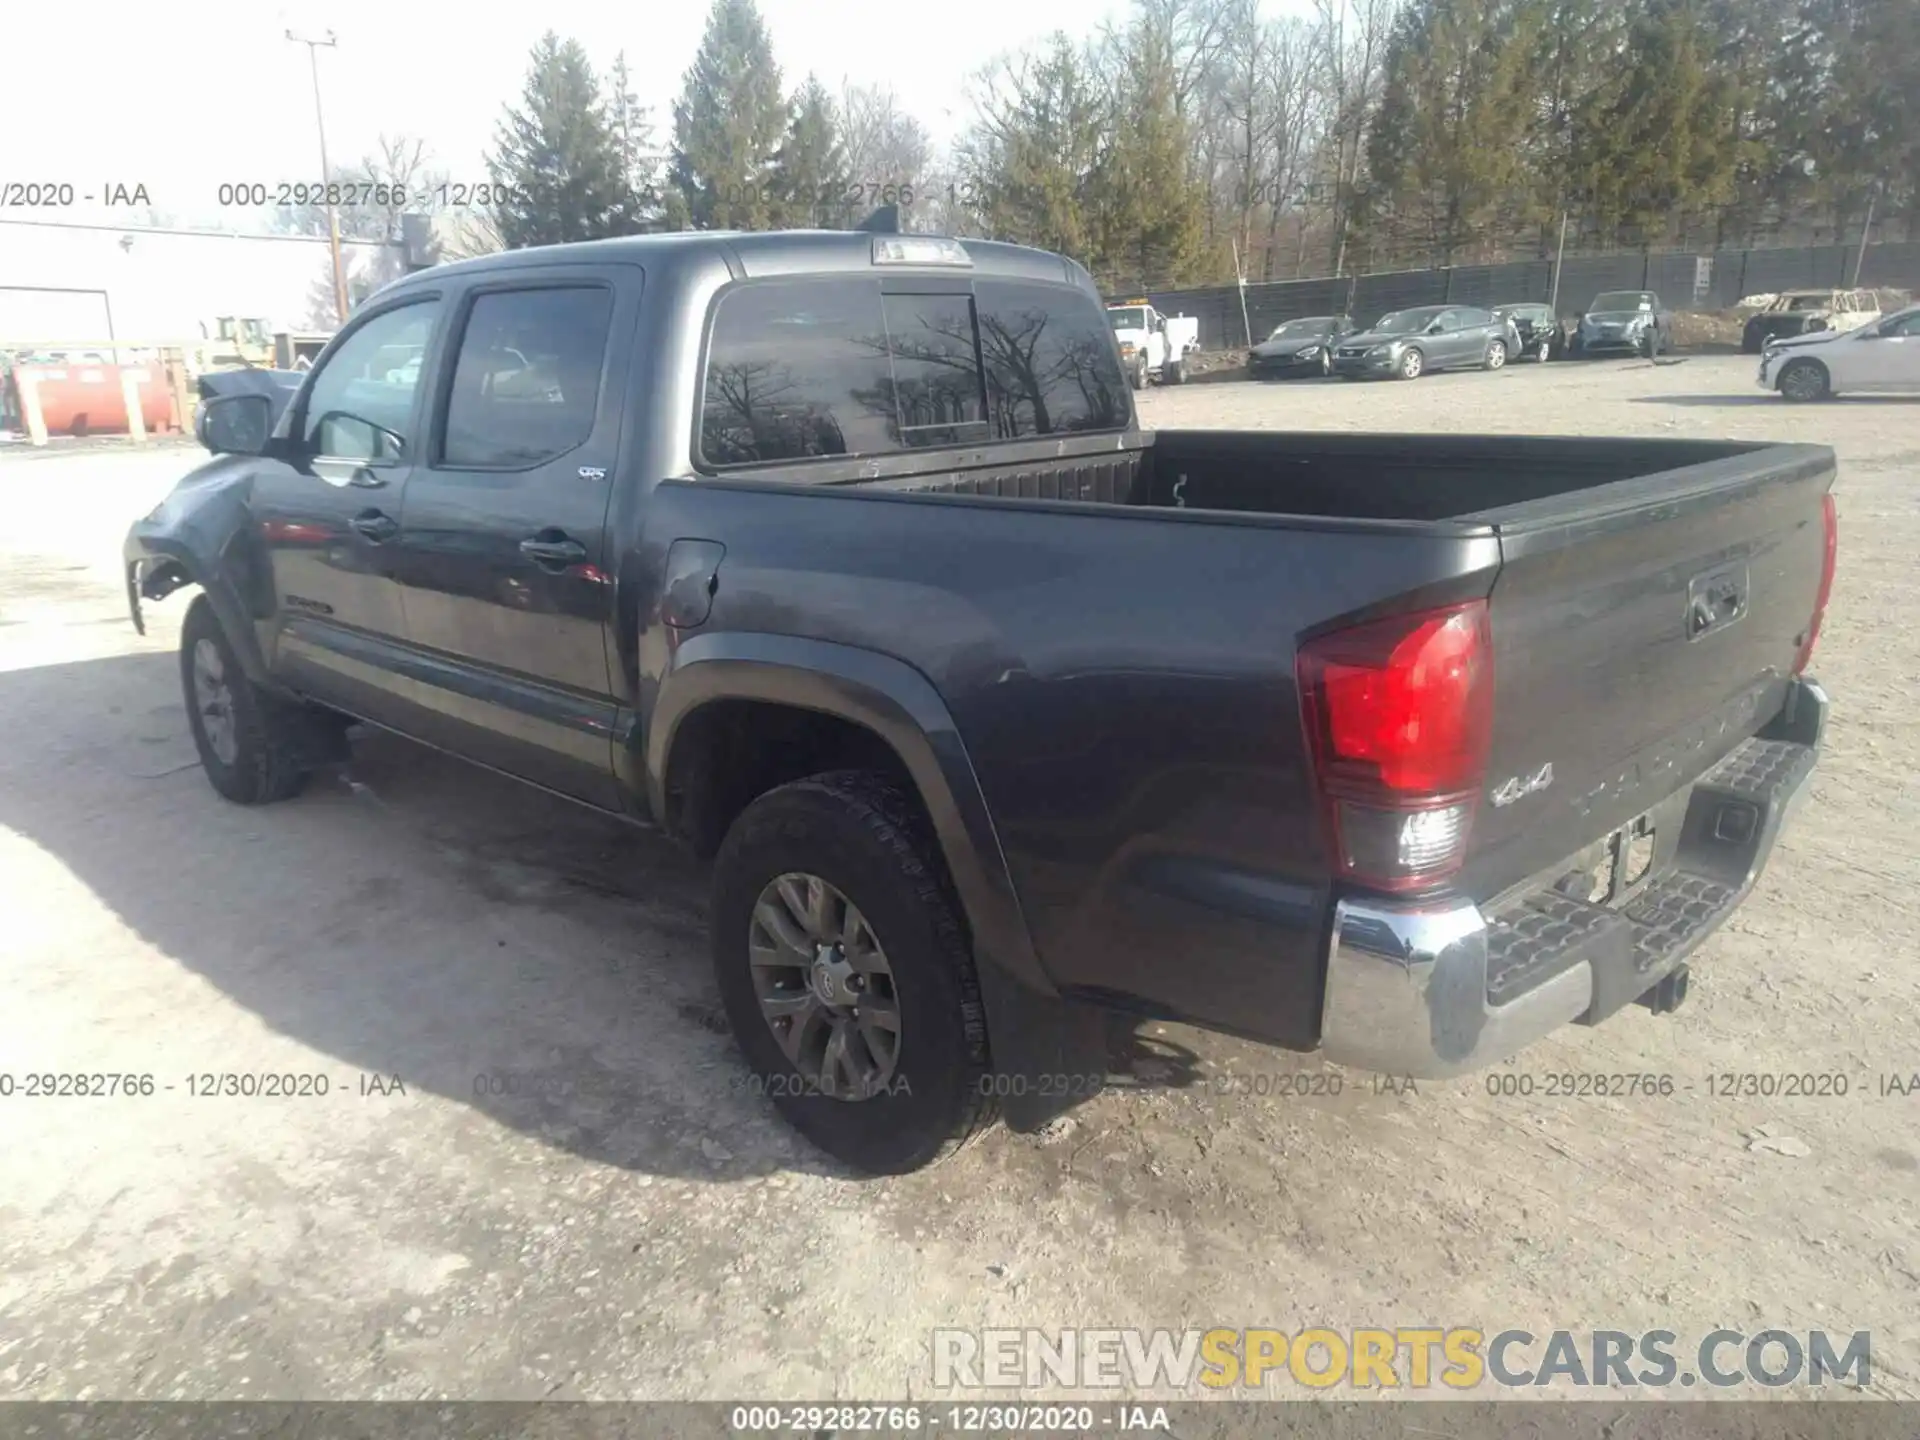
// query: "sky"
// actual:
[[181, 99]]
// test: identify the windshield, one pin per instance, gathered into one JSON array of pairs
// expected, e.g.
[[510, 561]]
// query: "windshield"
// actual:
[[1624, 300], [1134, 319], [1302, 329], [1406, 322]]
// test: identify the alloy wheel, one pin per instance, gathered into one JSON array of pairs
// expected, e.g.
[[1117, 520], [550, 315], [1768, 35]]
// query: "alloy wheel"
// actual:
[[213, 699], [824, 986]]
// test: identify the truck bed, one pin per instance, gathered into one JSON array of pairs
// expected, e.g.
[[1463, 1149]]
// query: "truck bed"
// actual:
[[1473, 479]]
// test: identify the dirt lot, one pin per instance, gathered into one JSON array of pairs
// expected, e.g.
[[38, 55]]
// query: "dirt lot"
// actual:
[[643, 1228]]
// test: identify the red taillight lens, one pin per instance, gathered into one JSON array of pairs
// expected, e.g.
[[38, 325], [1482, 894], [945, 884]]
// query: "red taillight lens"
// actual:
[[1830, 519], [1399, 715]]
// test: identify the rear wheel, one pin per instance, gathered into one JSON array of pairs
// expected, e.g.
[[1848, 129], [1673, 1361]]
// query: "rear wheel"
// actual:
[[1411, 364], [1174, 372], [1326, 363], [846, 973], [255, 747], [1804, 381]]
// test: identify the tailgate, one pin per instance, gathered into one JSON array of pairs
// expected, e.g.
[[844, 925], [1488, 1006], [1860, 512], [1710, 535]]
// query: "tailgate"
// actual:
[[1642, 631]]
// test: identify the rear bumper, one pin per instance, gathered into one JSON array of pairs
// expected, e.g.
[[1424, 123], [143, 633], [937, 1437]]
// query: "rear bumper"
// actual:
[[1436, 991]]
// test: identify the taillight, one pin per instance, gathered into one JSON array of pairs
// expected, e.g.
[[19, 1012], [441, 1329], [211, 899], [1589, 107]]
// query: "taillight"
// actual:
[[1831, 521], [1399, 715]]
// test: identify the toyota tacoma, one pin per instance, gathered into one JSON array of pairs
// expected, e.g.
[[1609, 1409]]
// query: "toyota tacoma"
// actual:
[[843, 558]]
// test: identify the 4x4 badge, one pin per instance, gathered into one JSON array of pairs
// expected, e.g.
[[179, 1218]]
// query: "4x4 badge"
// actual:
[[1521, 786]]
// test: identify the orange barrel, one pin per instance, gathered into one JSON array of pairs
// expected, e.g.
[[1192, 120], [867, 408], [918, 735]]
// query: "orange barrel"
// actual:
[[86, 399]]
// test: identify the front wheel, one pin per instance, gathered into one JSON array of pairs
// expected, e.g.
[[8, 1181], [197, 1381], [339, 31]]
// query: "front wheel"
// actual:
[[1804, 381], [1411, 364], [1497, 355], [846, 973], [1543, 352], [255, 747], [1139, 377]]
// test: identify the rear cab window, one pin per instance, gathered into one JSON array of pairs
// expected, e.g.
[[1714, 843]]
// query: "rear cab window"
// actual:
[[809, 367]]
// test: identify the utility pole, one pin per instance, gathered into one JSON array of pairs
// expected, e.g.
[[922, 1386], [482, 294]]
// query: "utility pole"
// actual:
[[313, 44], [1559, 258], [1860, 260]]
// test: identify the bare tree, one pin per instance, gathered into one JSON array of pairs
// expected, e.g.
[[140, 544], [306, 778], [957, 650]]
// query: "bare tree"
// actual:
[[1353, 48]]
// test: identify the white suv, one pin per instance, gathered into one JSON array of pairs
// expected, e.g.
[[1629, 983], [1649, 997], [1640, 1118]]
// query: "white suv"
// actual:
[[1882, 358]]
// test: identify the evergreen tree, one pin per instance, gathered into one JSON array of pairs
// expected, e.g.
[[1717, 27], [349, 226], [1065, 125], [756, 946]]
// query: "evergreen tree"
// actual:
[[1025, 170], [810, 171], [1446, 151], [728, 123], [633, 135], [1149, 214], [557, 156]]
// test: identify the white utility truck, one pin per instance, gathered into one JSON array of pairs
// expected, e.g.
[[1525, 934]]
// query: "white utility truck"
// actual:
[[1153, 346]]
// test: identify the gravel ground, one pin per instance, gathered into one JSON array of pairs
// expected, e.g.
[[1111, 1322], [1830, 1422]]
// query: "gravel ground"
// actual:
[[640, 1227]]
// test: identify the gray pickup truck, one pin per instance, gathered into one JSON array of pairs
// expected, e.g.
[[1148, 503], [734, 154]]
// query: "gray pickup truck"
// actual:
[[843, 558]]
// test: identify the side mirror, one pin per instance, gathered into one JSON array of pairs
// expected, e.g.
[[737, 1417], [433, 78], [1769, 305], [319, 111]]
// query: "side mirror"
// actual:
[[235, 424]]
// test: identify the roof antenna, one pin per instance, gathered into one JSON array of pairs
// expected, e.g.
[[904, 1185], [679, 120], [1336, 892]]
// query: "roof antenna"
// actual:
[[884, 221]]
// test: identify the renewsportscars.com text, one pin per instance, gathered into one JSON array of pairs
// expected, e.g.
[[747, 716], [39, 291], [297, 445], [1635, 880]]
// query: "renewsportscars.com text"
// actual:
[[1415, 1358]]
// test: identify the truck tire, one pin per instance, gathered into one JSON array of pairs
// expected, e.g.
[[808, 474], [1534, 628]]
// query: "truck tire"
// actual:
[[840, 874], [255, 747], [1804, 381], [1174, 372], [1139, 376]]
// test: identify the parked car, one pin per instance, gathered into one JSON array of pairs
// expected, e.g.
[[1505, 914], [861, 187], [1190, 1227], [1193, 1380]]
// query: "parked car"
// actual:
[[1538, 333], [1624, 322], [1405, 344], [1803, 312], [827, 554], [1882, 357], [1299, 347]]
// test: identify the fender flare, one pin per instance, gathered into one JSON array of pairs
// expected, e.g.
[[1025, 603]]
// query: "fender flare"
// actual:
[[199, 548], [901, 706]]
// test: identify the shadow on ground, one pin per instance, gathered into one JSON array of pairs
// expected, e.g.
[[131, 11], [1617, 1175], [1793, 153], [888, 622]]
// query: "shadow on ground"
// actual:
[[410, 915]]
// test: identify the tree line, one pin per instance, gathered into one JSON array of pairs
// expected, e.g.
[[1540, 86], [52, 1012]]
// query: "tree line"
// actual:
[[1192, 140]]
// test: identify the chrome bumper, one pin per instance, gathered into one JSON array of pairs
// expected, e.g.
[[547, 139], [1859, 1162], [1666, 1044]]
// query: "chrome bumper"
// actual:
[[1407, 985], [1407, 994]]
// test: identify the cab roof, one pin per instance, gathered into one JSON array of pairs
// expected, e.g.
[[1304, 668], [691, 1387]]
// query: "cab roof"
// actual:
[[772, 252]]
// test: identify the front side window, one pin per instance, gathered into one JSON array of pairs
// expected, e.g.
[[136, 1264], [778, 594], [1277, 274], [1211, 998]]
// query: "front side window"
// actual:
[[1904, 325], [360, 405], [526, 381]]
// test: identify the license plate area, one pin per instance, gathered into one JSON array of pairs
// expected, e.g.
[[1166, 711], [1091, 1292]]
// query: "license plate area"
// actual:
[[1615, 871]]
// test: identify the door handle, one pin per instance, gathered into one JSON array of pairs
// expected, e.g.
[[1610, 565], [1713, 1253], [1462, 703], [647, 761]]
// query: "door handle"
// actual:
[[550, 547], [375, 526]]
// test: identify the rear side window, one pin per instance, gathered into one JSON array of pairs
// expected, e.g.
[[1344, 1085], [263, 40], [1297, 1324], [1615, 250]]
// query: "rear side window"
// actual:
[[526, 382], [804, 368]]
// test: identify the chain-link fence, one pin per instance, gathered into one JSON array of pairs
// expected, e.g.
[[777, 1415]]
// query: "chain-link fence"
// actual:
[[1685, 281]]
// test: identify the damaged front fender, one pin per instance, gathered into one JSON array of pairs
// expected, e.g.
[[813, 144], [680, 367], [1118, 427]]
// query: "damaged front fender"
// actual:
[[203, 534]]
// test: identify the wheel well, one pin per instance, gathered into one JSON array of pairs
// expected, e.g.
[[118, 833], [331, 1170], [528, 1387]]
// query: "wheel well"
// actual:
[[728, 753], [163, 578]]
